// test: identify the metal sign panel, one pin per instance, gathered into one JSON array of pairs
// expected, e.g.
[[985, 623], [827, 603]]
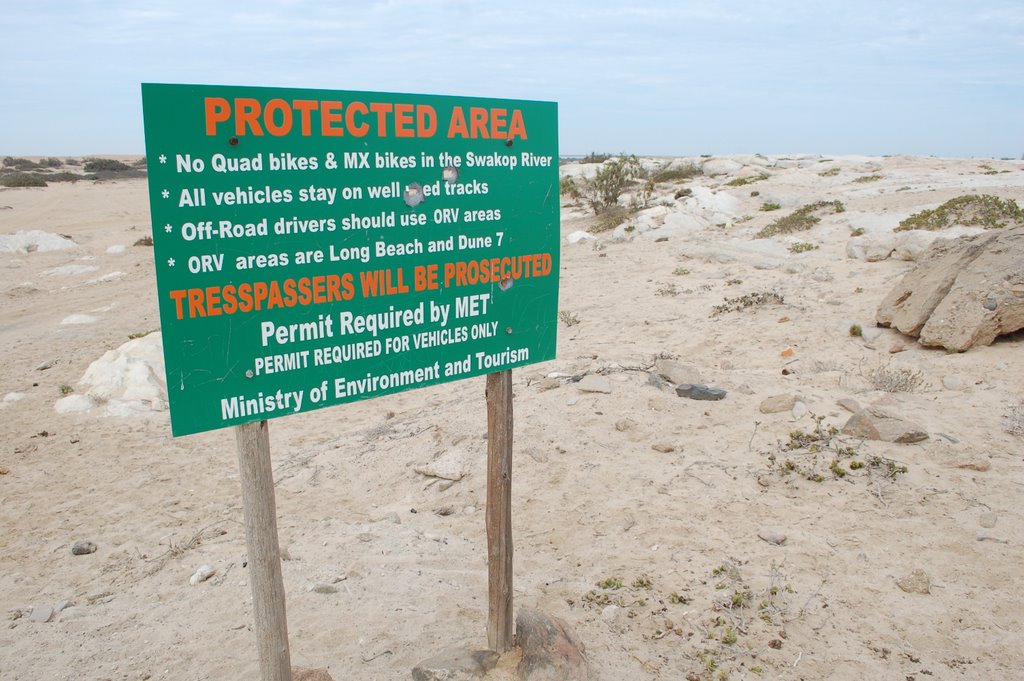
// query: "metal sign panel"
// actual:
[[317, 247]]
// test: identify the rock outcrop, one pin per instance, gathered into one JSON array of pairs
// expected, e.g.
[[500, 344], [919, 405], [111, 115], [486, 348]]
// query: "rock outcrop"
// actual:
[[963, 292]]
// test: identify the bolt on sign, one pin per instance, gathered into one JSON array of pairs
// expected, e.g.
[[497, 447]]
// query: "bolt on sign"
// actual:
[[316, 247]]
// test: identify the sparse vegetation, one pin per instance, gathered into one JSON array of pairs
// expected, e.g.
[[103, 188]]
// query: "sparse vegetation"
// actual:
[[680, 271], [1013, 422], [857, 231], [972, 210], [743, 302], [856, 331], [668, 289], [95, 165], [802, 219], [733, 282], [896, 380], [594, 157], [22, 180], [741, 181], [677, 174], [568, 318], [611, 218], [864, 179], [770, 206], [802, 247], [831, 172], [65, 389]]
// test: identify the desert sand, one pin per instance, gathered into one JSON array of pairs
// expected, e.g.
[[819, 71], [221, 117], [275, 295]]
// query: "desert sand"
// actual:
[[672, 534]]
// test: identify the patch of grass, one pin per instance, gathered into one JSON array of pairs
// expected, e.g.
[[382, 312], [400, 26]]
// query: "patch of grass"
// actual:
[[741, 181], [643, 582], [683, 193], [611, 217], [677, 174], [568, 318], [770, 206], [680, 271], [733, 282], [802, 247], [611, 583], [896, 380], [749, 300], [831, 172], [856, 331], [668, 289], [972, 210], [864, 179], [65, 389], [802, 219], [857, 231]]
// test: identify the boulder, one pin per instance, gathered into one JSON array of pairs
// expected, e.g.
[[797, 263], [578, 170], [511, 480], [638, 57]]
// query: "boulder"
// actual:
[[456, 665], [963, 292], [551, 649], [873, 423]]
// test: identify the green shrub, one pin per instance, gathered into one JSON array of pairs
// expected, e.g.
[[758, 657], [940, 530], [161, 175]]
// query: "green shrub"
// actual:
[[603, 190], [864, 179], [973, 210], [802, 247], [677, 174], [740, 181], [769, 206], [21, 180], [831, 172], [800, 220], [594, 157], [95, 165]]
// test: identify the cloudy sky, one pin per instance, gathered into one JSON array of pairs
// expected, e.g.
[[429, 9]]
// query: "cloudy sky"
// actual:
[[676, 77]]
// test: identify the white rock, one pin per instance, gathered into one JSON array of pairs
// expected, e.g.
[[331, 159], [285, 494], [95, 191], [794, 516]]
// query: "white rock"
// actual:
[[610, 613], [34, 240], [78, 319], [721, 166], [592, 383], [952, 382], [580, 235], [201, 575], [454, 465], [72, 404], [799, 410], [116, 248]]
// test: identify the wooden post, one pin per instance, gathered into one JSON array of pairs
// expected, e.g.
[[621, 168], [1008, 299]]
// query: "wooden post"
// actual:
[[264, 555], [499, 510]]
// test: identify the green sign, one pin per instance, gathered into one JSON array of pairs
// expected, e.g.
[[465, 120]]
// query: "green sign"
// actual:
[[317, 247]]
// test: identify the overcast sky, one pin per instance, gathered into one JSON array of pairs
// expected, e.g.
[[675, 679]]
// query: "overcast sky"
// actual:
[[669, 78]]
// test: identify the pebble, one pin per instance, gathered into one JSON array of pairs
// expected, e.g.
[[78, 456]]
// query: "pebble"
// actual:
[[622, 425], [988, 520], [822, 275], [663, 448], [41, 613], [201, 575], [772, 535], [610, 613], [83, 547], [699, 392], [917, 582], [777, 403], [677, 373], [592, 383], [799, 410], [323, 589], [952, 382]]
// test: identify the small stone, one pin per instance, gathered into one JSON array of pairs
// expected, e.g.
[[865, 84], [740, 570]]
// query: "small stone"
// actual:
[[917, 582], [593, 383], [655, 380], [622, 425], [323, 589], [456, 665], [772, 535], [777, 404], [453, 465], [551, 649], [699, 392], [952, 382], [610, 613], [849, 404], [41, 613], [990, 304], [821, 275], [981, 465], [988, 520], [201, 575], [873, 423], [896, 347], [788, 352], [799, 410], [663, 448], [83, 548], [677, 373]]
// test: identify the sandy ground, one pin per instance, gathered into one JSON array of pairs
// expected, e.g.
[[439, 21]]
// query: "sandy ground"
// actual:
[[664, 494]]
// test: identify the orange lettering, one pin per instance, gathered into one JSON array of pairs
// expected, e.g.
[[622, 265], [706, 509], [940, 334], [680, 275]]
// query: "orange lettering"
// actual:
[[217, 111], [330, 112]]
